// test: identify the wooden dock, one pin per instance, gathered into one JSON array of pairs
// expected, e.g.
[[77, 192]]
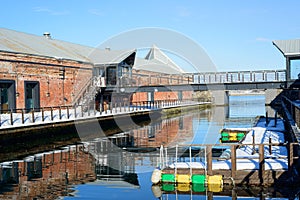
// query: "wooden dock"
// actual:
[[263, 157], [235, 176]]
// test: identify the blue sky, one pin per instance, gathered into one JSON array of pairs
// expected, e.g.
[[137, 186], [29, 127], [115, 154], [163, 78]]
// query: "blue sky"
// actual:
[[236, 34]]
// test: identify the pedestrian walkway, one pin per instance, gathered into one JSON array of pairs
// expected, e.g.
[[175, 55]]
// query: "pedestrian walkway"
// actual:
[[69, 113]]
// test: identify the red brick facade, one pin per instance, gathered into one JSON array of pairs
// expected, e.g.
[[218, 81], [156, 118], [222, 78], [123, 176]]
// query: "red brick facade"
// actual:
[[53, 178], [159, 96], [148, 78], [59, 82], [54, 89], [169, 132]]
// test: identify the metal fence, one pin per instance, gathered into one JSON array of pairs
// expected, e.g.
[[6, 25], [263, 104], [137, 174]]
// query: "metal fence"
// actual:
[[59, 113], [209, 77], [240, 76], [293, 107]]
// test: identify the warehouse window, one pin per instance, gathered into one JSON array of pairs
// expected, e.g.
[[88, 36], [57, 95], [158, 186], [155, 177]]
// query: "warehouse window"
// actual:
[[32, 95], [8, 95]]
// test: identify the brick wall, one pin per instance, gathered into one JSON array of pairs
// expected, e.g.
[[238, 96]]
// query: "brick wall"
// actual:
[[46, 71], [166, 95], [50, 183], [145, 78], [139, 96], [168, 133], [170, 95]]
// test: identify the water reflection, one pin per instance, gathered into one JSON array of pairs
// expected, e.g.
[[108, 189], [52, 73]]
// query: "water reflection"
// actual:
[[246, 106], [51, 175], [46, 175], [120, 166]]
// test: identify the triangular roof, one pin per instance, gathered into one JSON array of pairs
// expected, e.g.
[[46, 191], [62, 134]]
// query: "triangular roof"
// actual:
[[104, 57], [157, 61], [24, 43], [288, 47]]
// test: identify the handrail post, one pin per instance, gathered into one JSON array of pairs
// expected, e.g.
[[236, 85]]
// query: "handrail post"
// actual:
[[22, 116], [11, 117], [68, 116], [75, 114], [43, 114], [51, 111], [253, 142], [215, 76], [59, 110], [122, 105], [290, 157], [209, 159], [32, 115], [105, 108], [261, 163], [233, 161]]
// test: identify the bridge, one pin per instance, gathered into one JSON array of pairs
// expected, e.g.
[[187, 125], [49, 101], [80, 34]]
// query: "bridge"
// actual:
[[272, 82], [219, 83]]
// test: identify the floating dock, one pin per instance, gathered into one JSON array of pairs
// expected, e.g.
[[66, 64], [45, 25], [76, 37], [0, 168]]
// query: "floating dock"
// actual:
[[229, 135], [263, 157]]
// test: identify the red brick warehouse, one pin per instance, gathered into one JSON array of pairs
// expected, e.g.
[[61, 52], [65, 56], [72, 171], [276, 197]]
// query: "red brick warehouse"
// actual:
[[40, 71]]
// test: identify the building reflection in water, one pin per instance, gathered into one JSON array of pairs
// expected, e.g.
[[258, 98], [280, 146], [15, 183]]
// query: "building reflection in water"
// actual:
[[112, 160], [50, 174], [167, 132], [46, 175]]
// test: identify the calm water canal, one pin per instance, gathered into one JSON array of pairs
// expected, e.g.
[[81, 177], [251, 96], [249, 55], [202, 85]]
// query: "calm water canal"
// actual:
[[99, 169]]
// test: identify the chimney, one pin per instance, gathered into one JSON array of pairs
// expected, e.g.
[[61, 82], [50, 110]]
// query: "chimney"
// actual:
[[47, 35]]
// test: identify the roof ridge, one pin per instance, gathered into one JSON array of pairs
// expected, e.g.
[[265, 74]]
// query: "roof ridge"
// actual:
[[157, 54]]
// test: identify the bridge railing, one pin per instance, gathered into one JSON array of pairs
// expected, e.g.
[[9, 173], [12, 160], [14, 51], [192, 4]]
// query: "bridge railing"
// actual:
[[141, 79], [239, 77], [293, 107]]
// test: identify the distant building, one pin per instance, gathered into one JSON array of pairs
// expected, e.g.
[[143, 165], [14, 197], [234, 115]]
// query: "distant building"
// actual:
[[291, 51]]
